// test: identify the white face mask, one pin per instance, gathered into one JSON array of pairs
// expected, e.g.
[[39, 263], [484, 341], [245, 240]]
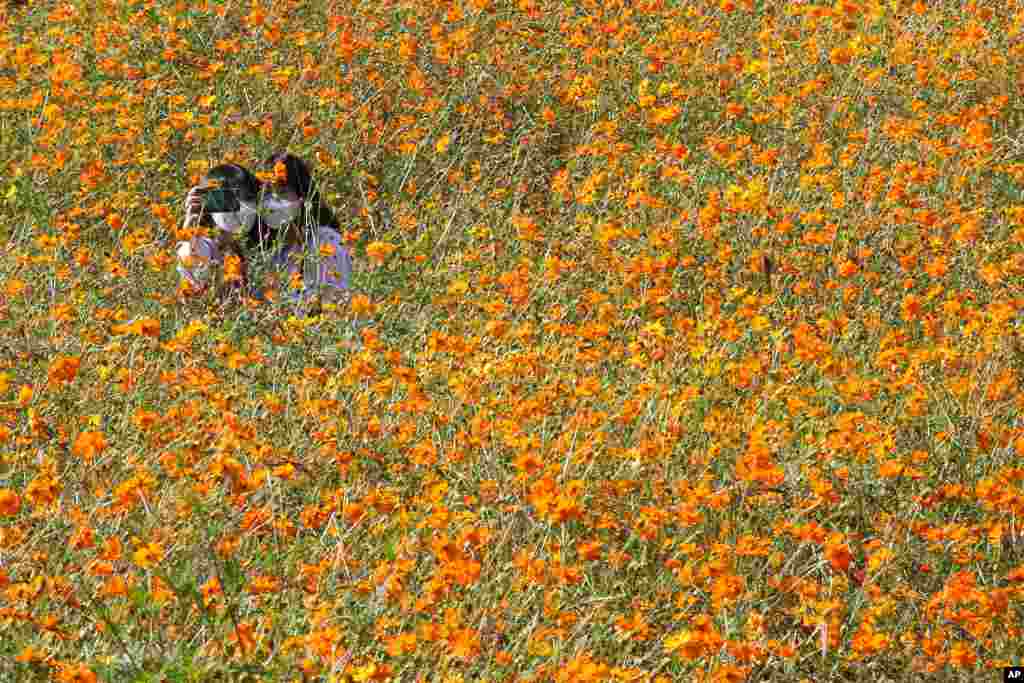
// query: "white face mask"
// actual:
[[277, 212], [236, 221]]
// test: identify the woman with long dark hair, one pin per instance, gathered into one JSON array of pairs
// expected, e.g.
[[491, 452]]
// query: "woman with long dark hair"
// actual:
[[226, 203], [301, 231]]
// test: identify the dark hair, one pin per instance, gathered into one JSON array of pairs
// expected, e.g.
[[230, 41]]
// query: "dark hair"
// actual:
[[236, 178], [246, 187], [299, 179], [297, 175]]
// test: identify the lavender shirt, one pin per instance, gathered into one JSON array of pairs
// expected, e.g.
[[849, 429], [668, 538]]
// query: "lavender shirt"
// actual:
[[330, 274]]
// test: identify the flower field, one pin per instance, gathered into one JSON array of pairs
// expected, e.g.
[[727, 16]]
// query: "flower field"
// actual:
[[684, 344]]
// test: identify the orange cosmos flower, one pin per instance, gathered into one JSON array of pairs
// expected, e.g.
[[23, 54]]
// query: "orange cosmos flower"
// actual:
[[210, 590], [379, 252], [837, 552], [89, 444], [361, 305], [234, 270], [264, 585], [10, 503], [84, 537], [686, 644], [589, 550], [63, 369], [245, 636], [464, 644], [30, 655], [400, 644], [143, 327], [76, 674], [962, 655]]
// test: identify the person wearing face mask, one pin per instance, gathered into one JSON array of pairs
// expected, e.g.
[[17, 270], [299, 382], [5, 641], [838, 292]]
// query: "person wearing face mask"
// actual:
[[226, 203], [303, 234]]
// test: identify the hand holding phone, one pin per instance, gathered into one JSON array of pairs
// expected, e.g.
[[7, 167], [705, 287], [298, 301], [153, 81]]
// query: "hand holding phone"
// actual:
[[219, 200], [200, 200], [193, 207]]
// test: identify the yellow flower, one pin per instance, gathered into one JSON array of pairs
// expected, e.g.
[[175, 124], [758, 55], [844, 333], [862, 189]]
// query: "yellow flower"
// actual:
[[685, 643], [379, 251], [442, 144], [148, 555], [458, 288]]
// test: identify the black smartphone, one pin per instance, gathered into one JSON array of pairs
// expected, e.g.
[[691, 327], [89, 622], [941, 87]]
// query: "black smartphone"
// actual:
[[219, 200]]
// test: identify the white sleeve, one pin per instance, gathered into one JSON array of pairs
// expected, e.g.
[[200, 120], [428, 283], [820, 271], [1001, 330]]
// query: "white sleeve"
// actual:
[[195, 258]]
